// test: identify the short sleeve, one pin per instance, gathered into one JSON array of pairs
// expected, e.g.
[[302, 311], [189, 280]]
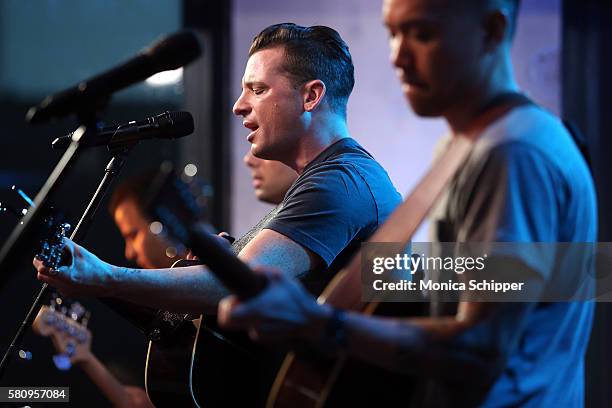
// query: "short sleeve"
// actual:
[[326, 210], [515, 198]]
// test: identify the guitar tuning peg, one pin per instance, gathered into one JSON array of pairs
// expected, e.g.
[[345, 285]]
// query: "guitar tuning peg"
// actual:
[[62, 324], [76, 311], [50, 318], [81, 336], [65, 228]]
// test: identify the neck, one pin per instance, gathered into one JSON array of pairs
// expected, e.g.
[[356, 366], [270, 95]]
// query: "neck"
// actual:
[[473, 114], [321, 134]]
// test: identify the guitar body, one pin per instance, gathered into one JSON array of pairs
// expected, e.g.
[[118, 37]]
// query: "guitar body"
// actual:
[[302, 383], [311, 380], [168, 368], [200, 366]]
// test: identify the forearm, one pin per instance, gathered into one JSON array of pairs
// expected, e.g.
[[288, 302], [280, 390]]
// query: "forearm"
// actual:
[[104, 380], [424, 346], [190, 289], [429, 346]]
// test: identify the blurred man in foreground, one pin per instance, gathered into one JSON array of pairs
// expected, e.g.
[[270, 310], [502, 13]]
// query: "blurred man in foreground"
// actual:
[[525, 181]]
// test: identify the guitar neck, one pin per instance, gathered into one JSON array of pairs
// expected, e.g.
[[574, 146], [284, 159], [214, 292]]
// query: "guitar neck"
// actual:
[[223, 263]]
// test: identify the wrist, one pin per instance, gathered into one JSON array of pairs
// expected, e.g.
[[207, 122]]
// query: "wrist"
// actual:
[[335, 336], [318, 321], [328, 328], [87, 359]]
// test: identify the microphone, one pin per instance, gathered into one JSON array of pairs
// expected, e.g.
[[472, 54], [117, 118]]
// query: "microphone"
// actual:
[[165, 54], [167, 125]]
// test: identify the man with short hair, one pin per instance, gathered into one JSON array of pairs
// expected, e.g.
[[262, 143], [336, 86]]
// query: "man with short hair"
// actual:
[[144, 248], [524, 181], [294, 93]]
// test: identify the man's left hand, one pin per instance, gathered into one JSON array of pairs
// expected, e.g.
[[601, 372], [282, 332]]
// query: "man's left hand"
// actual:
[[85, 275], [283, 311]]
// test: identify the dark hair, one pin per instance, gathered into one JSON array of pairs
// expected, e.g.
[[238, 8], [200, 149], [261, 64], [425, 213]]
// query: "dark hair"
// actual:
[[316, 52], [134, 189]]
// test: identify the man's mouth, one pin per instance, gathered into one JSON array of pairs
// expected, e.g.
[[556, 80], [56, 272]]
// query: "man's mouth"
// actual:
[[257, 181], [253, 127], [411, 81]]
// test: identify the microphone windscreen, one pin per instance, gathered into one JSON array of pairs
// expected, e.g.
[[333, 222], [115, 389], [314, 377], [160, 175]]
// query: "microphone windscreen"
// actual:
[[180, 124], [175, 51]]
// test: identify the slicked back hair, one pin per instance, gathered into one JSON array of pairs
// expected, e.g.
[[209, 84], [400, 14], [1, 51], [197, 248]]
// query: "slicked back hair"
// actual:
[[316, 52]]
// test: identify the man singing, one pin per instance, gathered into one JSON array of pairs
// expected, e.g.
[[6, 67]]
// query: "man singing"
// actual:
[[525, 181], [294, 94]]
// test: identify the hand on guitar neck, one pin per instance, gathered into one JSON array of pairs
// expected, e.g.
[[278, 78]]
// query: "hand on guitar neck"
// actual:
[[295, 312], [71, 338]]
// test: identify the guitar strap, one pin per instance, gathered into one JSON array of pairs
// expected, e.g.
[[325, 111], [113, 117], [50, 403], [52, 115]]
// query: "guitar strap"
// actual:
[[345, 289]]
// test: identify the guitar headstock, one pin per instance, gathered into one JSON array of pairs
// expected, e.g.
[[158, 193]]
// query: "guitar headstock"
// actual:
[[67, 327], [52, 246], [182, 215], [175, 200]]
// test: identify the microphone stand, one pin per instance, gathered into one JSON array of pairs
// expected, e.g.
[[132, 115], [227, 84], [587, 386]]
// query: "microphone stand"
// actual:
[[113, 168]]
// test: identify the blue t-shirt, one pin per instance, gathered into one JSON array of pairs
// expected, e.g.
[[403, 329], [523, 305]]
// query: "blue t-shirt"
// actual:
[[525, 181], [338, 201]]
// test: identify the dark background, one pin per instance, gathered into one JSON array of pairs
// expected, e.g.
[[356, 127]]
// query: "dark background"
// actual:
[[27, 159]]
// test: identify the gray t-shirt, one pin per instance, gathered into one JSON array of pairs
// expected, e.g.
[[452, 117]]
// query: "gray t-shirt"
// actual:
[[340, 199], [525, 181]]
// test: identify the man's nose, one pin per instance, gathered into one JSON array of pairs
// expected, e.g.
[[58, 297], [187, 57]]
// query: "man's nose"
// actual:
[[241, 107], [401, 54]]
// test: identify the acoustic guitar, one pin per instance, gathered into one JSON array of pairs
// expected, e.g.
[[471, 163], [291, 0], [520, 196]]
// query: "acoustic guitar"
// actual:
[[308, 379], [190, 361]]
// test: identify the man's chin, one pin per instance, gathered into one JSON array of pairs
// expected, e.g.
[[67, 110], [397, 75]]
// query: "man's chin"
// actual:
[[424, 107], [264, 197], [261, 152]]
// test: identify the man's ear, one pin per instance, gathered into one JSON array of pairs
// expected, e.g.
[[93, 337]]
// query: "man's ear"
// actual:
[[313, 93], [495, 24]]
